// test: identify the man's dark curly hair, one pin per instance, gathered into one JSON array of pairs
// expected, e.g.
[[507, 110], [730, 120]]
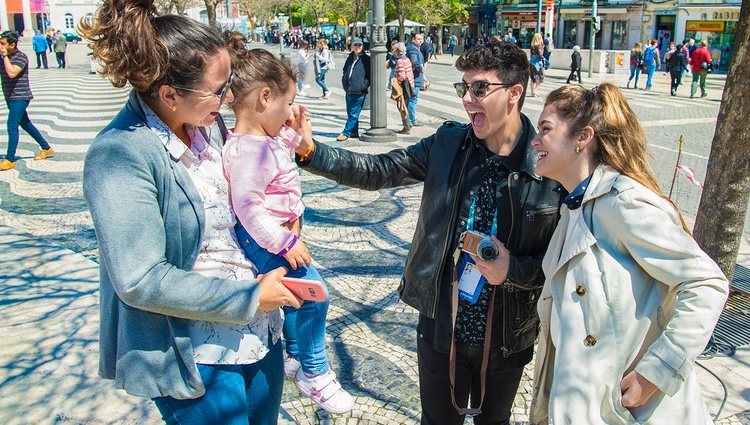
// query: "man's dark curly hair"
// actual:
[[506, 59]]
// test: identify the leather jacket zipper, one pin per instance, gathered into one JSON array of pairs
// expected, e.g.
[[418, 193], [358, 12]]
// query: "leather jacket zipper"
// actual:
[[507, 286], [510, 199], [449, 231]]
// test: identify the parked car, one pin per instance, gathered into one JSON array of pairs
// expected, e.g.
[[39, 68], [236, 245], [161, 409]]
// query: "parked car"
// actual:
[[72, 37]]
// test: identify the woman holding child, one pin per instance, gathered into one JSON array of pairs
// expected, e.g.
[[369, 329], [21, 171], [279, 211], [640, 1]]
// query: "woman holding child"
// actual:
[[184, 319]]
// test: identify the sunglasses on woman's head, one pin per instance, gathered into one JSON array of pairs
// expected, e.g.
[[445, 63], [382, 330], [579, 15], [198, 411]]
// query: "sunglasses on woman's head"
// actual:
[[478, 88]]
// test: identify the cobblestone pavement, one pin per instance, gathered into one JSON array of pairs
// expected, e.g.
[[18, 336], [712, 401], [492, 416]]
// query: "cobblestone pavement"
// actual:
[[358, 239]]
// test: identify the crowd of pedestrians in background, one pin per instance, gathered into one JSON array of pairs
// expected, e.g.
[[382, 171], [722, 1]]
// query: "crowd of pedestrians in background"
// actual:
[[55, 42], [679, 59]]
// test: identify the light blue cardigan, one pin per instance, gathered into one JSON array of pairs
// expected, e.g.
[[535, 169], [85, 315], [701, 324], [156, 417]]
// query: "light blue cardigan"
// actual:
[[149, 222]]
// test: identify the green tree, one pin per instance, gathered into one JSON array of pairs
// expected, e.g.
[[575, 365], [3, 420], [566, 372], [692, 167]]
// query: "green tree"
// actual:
[[404, 9], [436, 13], [315, 10], [261, 10], [352, 10]]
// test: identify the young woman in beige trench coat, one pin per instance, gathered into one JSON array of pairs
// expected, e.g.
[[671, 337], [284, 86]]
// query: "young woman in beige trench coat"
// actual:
[[629, 300]]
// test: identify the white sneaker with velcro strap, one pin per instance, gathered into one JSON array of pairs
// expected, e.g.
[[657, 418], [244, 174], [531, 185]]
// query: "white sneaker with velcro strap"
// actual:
[[291, 366], [325, 391]]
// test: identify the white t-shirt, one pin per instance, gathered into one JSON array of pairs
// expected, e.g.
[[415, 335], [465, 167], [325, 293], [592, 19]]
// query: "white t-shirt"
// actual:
[[302, 57]]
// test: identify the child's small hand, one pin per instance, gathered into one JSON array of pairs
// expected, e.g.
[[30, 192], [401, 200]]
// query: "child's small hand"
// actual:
[[297, 116], [305, 130], [293, 120], [298, 255]]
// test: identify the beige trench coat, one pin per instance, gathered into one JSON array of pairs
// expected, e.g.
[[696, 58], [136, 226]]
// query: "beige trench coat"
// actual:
[[632, 290]]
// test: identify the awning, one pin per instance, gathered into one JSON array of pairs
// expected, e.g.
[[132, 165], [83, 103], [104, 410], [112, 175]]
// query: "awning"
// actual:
[[407, 23], [601, 10]]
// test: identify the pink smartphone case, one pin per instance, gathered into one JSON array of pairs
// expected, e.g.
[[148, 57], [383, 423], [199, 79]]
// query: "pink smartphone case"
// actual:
[[305, 289]]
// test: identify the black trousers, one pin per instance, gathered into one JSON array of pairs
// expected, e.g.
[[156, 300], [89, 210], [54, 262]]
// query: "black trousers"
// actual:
[[41, 59], [573, 74], [676, 79], [435, 392], [60, 59]]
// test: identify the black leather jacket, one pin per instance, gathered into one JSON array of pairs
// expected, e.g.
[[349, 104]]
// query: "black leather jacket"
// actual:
[[441, 161]]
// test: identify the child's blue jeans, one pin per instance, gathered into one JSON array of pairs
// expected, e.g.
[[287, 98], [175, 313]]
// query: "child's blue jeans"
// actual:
[[304, 328]]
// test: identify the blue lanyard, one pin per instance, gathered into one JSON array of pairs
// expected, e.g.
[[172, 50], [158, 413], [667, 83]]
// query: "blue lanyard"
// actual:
[[470, 221]]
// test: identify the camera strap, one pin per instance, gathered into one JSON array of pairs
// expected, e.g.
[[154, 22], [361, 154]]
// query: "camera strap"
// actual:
[[469, 411], [485, 351]]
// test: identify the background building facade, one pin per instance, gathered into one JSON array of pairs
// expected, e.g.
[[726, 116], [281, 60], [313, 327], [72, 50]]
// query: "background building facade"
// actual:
[[623, 22], [61, 15]]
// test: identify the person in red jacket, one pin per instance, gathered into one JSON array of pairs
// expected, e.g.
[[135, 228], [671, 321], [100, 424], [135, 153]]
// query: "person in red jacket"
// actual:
[[700, 61]]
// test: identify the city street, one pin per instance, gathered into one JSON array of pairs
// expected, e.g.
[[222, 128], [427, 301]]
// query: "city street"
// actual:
[[358, 239]]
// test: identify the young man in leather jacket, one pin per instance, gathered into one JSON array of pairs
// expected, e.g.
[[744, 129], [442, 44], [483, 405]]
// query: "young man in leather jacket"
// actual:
[[478, 176]]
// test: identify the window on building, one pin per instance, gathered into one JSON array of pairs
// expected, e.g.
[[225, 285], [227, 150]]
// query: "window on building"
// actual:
[[570, 34], [69, 25], [89, 18], [587, 37], [620, 35]]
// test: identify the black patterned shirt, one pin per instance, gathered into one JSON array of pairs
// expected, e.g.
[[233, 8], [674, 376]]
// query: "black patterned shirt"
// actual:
[[471, 318]]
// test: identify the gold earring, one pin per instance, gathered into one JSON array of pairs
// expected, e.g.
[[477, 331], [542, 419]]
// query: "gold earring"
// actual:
[[174, 108], [578, 149]]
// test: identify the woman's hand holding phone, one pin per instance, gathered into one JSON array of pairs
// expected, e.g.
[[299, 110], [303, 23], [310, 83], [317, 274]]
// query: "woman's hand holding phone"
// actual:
[[273, 294]]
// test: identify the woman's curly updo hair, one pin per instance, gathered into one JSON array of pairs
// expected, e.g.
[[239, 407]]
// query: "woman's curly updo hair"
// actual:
[[255, 67], [135, 46]]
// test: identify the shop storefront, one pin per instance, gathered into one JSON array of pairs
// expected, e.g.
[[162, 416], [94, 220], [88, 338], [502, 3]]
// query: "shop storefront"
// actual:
[[716, 25], [720, 36], [613, 35], [523, 25], [482, 21]]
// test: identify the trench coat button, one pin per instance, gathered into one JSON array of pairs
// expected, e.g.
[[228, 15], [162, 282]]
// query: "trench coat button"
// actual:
[[515, 176], [580, 290], [463, 223], [590, 341], [471, 193]]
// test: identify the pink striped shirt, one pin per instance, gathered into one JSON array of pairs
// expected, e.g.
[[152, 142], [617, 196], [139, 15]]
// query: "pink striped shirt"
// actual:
[[264, 185], [403, 70]]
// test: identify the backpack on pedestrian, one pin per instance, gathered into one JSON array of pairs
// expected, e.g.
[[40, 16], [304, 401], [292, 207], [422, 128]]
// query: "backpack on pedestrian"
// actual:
[[648, 55], [548, 44]]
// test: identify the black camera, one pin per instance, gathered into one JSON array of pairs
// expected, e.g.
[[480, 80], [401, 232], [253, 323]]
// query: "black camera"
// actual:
[[478, 244]]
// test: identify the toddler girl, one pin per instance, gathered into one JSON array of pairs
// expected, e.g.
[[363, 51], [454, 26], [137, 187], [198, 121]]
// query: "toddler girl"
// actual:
[[265, 192]]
